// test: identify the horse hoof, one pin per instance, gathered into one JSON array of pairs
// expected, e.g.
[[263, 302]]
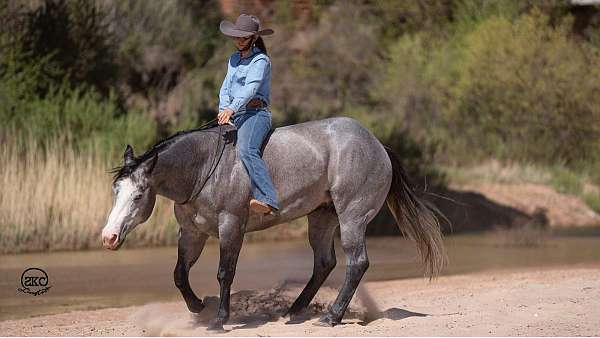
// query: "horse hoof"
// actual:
[[327, 321], [196, 307], [216, 326], [297, 318]]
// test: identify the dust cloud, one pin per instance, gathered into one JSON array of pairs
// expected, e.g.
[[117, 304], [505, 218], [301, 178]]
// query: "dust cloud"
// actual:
[[249, 309]]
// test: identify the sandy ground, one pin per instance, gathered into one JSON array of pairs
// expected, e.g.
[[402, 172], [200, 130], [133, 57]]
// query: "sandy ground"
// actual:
[[558, 301]]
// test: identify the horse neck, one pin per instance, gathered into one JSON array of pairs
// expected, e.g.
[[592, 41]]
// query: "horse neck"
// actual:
[[181, 166]]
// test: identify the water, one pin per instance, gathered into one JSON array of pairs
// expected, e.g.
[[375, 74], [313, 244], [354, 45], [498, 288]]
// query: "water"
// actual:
[[98, 279]]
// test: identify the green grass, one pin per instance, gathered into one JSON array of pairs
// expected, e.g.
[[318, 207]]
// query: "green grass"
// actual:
[[592, 200], [566, 181], [498, 172]]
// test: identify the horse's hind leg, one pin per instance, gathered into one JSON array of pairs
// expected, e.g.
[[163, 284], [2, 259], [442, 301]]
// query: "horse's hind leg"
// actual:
[[321, 229], [190, 247], [352, 229]]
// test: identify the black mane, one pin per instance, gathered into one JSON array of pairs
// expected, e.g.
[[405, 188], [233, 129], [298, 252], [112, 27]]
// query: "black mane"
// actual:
[[125, 170]]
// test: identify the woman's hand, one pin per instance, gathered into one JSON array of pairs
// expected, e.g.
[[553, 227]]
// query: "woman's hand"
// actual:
[[225, 115]]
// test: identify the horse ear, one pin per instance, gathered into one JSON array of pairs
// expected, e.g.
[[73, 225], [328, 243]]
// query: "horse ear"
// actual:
[[148, 167], [128, 156]]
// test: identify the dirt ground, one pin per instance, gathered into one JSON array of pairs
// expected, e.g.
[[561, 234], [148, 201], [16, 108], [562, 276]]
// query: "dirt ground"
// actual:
[[560, 210], [557, 301]]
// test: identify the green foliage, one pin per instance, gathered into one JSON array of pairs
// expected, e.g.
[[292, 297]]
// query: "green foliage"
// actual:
[[329, 68], [23, 76], [470, 13], [444, 80], [73, 39], [582, 181], [81, 115], [502, 89], [186, 27], [566, 181], [516, 96], [55, 81], [404, 91], [593, 201], [408, 17]]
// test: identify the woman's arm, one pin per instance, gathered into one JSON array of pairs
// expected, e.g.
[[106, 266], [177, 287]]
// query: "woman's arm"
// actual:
[[254, 78], [224, 92]]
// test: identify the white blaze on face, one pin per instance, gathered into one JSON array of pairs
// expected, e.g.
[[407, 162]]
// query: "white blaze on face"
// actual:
[[122, 208]]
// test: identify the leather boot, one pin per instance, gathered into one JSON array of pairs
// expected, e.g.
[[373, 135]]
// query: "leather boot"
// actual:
[[260, 207]]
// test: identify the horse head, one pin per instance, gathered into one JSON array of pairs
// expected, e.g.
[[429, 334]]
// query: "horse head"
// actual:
[[133, 199]]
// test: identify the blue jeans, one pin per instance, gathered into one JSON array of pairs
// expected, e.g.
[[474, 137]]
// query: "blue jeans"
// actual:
[[252, 127]]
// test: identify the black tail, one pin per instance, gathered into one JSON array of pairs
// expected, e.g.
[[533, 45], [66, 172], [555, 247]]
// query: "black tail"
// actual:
[[415, 219]]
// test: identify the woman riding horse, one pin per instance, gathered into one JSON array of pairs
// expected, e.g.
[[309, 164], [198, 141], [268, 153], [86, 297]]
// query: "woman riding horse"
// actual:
[[339, 186], [244, 95]]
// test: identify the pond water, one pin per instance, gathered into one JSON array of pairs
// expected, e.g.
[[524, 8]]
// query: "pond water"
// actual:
[[98, 279]]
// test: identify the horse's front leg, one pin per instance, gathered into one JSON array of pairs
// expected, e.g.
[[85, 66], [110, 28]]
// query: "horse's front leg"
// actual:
[[231, 235], [190, 247]]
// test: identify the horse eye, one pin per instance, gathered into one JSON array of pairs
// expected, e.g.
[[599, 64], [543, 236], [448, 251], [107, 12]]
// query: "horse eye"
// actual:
[[138, 197]]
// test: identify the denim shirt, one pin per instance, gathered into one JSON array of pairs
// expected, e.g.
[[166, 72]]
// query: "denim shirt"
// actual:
[[246, 79]]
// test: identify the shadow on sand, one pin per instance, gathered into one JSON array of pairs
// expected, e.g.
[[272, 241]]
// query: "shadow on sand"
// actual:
[[258, 320]]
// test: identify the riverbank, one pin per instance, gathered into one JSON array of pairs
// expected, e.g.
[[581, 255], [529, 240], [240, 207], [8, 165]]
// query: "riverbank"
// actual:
[[97, 279], [553, 301]]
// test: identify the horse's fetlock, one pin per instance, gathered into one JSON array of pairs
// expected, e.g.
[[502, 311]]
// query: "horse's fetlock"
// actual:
[[361, 265]]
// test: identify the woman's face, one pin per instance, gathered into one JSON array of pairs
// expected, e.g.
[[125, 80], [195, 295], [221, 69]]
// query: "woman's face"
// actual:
[[242, 43]]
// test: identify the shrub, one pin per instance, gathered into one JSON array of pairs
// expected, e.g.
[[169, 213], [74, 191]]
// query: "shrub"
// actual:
[[188, 28], [326, 69], [566, 181], [593, 201], [515, 96], [73, 40], [81, 117]]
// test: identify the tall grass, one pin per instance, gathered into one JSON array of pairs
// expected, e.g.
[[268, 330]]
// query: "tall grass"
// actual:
[[58, 199], [54, 197]]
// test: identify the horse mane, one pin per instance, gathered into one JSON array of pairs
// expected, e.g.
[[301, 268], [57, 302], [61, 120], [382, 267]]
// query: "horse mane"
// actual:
[[126, 169]]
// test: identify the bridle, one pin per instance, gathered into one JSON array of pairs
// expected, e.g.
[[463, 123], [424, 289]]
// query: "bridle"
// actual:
[[196, 191]]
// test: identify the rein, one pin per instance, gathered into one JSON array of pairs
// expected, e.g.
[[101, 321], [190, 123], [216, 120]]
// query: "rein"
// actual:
[[195, 191]]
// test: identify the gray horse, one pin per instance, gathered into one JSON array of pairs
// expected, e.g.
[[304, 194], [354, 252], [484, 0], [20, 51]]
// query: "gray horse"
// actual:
[[334, 171]]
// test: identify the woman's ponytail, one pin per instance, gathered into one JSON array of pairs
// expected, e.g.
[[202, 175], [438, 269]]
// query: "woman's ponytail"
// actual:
[[261, 45]]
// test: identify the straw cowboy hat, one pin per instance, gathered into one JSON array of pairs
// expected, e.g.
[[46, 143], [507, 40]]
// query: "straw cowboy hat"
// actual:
[[245, 25]]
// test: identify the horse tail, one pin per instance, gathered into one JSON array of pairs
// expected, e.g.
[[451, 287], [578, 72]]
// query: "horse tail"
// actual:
[[415, 219]]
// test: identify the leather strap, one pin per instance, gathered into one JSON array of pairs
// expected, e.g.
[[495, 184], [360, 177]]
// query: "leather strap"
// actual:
[[256, 103]]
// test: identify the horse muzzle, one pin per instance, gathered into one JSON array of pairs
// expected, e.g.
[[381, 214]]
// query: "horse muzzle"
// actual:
[[110, 242], [113, 241]]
